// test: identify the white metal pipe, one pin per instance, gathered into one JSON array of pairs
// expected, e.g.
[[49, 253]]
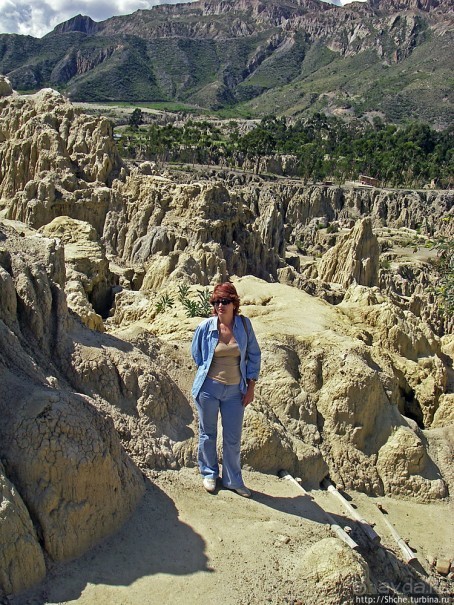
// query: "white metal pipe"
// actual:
[[337, 529], [407, 552], [364, 525]]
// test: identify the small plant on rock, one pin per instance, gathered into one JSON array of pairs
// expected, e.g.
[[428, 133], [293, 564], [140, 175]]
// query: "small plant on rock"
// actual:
[[183, 291], [204, 302], [191, 307], [198, 308], [165, 302], [300, 246]]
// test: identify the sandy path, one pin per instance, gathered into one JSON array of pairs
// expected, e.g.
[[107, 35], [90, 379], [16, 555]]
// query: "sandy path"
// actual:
[[184, 546]]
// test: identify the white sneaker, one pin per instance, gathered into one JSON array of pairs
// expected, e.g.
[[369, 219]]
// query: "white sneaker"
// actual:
[[243, 491], [209, 484]]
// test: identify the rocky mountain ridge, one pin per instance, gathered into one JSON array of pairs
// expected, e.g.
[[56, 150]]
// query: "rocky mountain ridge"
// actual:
[[218, 54]]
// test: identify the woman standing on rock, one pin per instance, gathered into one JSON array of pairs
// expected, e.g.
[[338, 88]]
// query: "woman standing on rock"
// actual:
[[227, 354]]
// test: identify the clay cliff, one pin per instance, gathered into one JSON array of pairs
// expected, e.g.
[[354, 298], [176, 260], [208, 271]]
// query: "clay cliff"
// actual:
[[96, 376]]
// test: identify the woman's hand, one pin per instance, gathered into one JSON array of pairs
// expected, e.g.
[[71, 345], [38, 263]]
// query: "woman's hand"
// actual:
[[248, 397]]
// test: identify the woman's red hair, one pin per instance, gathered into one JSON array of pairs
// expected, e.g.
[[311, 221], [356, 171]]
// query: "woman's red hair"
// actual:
[[226, 290]]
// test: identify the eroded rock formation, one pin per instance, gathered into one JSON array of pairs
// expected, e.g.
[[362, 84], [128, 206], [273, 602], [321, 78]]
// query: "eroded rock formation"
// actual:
[[332, 570], [354, 259], [89, 282], [348, 389], [62, 455], [5, 87], [54, 161], [201, 231], [21, 557]]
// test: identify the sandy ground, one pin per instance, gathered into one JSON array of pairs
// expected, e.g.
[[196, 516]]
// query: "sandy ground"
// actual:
[[185, 546]]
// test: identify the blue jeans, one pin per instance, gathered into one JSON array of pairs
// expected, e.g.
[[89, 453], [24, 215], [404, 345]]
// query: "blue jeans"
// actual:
[[212, 398]]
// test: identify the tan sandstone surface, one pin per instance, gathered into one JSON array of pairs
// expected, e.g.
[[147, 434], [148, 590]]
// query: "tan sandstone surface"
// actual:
[[182, 545], [100, 497]]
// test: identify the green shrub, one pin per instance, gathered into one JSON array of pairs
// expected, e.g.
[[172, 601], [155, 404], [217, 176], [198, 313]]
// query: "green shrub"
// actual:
[[300, 246], [191, 307], [183, 291], [164, 302], [199, 307], [204, 302]]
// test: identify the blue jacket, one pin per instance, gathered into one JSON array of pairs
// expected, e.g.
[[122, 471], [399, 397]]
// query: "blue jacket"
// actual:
[[204, 342]]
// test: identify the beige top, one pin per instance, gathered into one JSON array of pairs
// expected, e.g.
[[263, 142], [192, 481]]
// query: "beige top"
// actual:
[[225, 366]]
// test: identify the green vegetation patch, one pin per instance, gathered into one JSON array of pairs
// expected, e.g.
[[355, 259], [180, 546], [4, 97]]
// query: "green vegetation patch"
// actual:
[[325, 148]]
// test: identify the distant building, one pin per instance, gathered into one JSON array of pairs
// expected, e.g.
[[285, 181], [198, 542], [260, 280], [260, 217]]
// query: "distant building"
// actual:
[[368, 180]]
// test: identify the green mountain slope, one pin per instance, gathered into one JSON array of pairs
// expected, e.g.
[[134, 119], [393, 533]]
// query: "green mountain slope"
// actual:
[[288, 56], [419, 87]]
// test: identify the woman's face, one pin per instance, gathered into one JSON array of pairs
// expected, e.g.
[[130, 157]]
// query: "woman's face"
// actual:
[[224, 309]]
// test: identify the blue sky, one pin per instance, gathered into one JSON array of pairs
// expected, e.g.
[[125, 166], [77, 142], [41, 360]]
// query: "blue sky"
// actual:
[[38, 17]]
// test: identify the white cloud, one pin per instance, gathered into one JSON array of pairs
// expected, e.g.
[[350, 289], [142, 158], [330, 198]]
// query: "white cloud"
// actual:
[[38, 17]]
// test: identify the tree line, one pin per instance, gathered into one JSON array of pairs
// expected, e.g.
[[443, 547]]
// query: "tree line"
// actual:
[[324, 147]]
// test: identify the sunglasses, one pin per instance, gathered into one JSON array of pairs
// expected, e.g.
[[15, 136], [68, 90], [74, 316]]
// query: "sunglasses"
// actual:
[[223, 301]]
